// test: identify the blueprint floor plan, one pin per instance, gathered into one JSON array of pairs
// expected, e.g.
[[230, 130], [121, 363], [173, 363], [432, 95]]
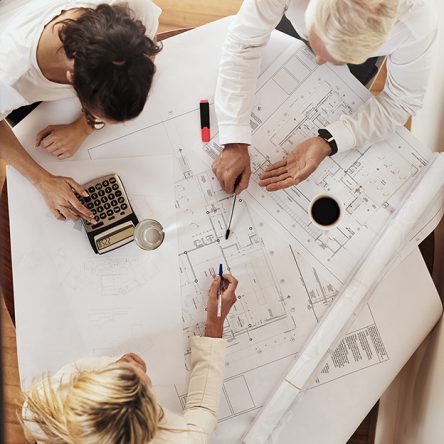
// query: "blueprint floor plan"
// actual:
[[288, 272]]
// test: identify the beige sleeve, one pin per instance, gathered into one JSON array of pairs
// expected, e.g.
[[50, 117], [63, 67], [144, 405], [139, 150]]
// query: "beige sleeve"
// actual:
[[204, 390]]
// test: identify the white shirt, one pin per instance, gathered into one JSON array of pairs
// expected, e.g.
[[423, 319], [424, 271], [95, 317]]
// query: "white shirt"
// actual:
[[408, 48], [21, 80]]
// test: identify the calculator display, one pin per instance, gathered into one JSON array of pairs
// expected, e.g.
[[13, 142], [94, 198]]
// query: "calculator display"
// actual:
[[117, 236]]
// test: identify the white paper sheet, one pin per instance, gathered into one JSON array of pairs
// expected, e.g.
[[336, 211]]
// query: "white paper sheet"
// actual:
[[71, 303]]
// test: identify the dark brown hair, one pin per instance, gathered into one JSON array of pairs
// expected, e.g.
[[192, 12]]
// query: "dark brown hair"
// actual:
[[113, 70]]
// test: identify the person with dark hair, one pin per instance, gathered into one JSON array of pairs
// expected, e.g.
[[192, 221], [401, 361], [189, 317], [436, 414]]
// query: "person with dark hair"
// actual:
[[101, 51]]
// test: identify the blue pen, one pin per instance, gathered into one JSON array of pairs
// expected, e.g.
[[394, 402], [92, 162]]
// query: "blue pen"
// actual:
[[219, 293]]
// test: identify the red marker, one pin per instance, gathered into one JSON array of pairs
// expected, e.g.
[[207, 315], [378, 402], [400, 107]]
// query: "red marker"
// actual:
[[205, 120]]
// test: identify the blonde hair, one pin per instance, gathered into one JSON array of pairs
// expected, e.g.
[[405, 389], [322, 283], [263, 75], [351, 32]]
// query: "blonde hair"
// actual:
[[107, 406], [352, 30]]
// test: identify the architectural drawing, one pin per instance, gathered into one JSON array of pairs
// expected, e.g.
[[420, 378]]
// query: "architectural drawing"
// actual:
[[295, 97], [280, 298], [288, 273]]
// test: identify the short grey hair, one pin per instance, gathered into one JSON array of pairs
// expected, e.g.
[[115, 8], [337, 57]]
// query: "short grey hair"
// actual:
[[352, 30]]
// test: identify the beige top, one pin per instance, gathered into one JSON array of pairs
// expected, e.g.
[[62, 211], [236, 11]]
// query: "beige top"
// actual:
[[199, 418]]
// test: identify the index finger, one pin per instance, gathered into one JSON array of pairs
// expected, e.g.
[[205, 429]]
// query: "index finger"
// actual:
[[278, 164], [42, 134]]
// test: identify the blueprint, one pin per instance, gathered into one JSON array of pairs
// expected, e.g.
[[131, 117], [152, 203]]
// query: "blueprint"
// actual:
[[295, 97], [286, 282]]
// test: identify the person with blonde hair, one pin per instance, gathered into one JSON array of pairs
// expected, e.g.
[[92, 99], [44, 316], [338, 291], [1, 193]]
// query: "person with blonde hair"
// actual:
[[338, 32], [109, 401]]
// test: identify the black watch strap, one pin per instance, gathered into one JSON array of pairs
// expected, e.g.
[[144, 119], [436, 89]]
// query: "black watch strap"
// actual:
[[326, 135]]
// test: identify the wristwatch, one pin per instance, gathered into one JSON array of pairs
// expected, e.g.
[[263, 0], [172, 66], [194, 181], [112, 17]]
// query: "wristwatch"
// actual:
[[324, 134]]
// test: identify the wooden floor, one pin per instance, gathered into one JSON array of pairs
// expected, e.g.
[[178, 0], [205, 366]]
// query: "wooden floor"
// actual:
[[176, 14]]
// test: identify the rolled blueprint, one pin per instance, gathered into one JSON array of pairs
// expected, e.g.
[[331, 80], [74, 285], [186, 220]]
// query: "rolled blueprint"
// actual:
[[428, 186]]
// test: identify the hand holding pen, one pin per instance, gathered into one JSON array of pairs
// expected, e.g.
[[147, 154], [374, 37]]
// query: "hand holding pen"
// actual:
[[215, 324]]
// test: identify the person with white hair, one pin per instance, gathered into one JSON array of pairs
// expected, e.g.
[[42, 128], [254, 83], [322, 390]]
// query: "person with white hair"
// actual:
[[338, 32]]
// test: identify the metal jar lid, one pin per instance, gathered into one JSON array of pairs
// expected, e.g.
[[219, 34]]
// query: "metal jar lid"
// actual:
[[149, 234]]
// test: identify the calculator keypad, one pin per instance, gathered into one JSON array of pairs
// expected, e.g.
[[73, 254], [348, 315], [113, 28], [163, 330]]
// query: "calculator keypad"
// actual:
[[107, 201]]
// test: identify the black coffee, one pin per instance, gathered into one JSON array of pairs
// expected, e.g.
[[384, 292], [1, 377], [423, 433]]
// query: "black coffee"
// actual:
[[325, 211]]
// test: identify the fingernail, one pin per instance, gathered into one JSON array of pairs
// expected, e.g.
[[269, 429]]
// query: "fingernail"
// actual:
[[85, 194]]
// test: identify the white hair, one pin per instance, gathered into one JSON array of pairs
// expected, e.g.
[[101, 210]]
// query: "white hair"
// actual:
[[352, 30]]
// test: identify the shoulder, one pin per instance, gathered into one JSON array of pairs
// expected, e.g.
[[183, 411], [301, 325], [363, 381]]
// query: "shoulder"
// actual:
[[148, 13], [418, 17]]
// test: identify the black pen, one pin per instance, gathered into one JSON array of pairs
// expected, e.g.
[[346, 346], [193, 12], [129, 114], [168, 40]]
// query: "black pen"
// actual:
[[236, 184]]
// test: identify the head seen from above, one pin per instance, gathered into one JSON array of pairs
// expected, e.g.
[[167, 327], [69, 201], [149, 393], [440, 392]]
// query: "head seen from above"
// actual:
[[348, 31], [73, 411], [112, 62]]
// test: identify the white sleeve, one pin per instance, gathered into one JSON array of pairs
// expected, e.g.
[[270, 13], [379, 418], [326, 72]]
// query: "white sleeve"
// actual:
[[408, 68], [148, 13], [239, 66], [10, 99]]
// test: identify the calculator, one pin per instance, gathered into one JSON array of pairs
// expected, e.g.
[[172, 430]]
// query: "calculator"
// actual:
[[114, 218]]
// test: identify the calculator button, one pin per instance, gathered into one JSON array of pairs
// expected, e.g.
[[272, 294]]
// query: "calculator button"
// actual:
[[111, 218], [104, 199], [111, 196], [109, 212], [86, 199], [118, 193], [97, 218], [108, 189], [99, 208], [101, 193], [116, 209], [112, 180], [107, 206], [91, 189], [98, 186], [120, 199], [115, 186], [94, 212], [94, 196], [105, 183], [124, 206], [102, 215], [90, 205], [97, 202], [114, 203]]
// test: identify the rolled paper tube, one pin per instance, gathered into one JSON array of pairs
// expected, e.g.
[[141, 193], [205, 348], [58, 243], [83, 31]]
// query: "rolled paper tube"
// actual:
[[355, 293]]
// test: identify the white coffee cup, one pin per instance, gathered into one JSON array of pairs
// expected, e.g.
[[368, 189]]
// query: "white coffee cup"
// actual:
[[325, 211]]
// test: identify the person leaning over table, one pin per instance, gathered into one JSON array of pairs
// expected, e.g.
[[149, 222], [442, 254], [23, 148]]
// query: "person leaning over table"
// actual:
[[338, 32], [104, 400], [100, 51]]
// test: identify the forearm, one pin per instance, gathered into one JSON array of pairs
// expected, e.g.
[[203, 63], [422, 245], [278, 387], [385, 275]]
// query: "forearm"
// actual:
[[239, 67], [15, 155], [205, 387]]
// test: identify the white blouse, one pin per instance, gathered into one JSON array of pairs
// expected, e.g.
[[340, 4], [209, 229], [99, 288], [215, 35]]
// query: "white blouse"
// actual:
[[21, 25]]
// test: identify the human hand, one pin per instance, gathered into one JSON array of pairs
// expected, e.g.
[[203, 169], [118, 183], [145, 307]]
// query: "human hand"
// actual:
[[63, 141], [296, 166], [232, 162], [58, 193], [214, 327]]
